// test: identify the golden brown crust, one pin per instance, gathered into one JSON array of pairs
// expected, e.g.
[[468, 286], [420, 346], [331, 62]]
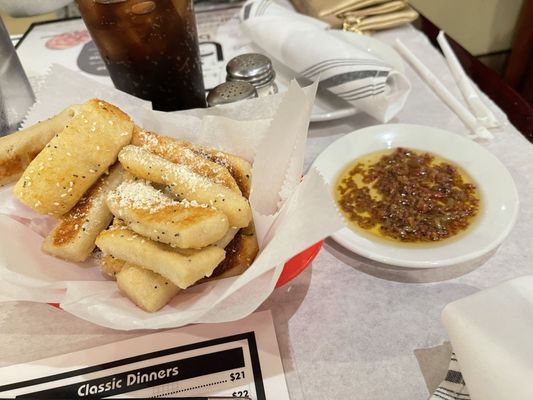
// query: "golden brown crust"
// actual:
[[151, 213], [68, 228], [71, 222], [74, 235], [110, 265], [186, 184], [102, 105], [199, 221], [74, 159], [240, 169], [243, 248], [179, 153], [240, 254], [18, 149], [12, 168]]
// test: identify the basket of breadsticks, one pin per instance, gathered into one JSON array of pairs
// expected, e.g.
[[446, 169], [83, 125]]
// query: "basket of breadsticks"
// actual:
[[131, 218]]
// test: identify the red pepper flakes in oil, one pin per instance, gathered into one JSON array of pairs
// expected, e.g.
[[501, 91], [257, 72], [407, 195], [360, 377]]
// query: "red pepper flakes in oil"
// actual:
[[418, 199]]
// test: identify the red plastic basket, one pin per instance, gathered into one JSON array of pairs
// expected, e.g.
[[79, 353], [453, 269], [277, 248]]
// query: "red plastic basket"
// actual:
[[298, 263]]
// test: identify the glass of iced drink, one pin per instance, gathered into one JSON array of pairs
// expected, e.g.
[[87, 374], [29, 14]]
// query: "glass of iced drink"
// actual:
[[150, 49]]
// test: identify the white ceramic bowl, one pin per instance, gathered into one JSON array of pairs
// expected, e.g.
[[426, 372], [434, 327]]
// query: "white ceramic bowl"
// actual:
[[499, 197]]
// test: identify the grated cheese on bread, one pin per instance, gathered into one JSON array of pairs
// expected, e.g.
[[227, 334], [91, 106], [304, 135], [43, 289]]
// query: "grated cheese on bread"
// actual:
[[73, 160]]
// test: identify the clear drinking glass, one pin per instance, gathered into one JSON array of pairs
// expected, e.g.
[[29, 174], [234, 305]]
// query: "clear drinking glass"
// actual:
[[16, 95], [150, 49]]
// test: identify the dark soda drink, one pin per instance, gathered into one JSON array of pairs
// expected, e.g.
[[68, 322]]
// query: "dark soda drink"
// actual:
[[150, 49]]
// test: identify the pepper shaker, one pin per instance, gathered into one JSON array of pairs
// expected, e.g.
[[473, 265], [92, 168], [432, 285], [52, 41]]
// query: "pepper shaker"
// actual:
[[230, 92], [255, 69]]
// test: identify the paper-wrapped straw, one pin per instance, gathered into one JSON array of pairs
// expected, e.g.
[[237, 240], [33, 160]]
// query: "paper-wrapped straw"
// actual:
[[480, 110], [438, 87]]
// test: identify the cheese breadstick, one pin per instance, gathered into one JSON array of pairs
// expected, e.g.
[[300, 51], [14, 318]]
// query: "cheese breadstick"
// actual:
[[148, 290], [19, 148], [74, 159], [240, 169], [74, 235], [186, 184], [177, 152], [183, 268], [151, 213]]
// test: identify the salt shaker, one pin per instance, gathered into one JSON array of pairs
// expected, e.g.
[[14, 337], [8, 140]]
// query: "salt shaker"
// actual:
[[253, 68], [230, 92]]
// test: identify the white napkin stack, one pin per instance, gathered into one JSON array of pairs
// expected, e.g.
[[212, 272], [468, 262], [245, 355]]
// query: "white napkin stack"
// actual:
[[492, 334], [304, 45]]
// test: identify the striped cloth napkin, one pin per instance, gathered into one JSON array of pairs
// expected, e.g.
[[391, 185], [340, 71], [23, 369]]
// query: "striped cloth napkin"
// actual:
[[304, 45], [453, 387]]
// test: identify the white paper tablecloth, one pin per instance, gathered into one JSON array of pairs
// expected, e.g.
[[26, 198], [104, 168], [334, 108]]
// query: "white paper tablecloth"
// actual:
[[344, 332]]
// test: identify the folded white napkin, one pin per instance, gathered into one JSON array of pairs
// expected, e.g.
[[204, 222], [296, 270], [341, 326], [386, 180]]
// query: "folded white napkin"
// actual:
[[492, 334], [304, 45]]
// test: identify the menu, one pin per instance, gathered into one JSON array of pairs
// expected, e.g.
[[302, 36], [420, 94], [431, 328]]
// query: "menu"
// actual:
[[68, 43], [237, 359]]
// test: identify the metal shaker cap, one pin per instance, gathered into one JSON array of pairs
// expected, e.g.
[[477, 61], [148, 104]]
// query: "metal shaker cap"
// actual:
[[230, 92], [254, 68]]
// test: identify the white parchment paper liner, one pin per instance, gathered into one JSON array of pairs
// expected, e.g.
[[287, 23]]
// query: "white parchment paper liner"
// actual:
[[290, 213]]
